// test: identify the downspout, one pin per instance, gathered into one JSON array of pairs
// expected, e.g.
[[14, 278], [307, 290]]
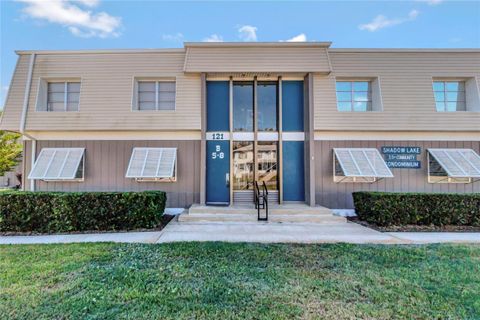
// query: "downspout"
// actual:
[[23, 119]]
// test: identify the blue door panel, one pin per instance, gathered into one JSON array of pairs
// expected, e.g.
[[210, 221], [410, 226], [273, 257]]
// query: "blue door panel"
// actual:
[[293, 171], [292, 105], [217, 105], [218, 169]]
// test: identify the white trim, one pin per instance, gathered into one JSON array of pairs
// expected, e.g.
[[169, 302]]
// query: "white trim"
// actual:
[[113, 135], [396, 136], [243, 136], [26, 95], [293, 136], [34, 155], [267, 136], [218, 135]]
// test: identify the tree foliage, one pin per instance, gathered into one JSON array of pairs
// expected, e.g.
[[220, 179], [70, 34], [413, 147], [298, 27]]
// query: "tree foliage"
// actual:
[[10, 151]]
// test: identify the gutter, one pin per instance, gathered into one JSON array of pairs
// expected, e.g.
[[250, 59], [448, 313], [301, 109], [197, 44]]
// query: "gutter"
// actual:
[[23, 119]]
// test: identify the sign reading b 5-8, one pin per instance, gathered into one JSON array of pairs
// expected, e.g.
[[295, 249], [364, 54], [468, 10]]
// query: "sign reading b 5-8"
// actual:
[[218, 152]]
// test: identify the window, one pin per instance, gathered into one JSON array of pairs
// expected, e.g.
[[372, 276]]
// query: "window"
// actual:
[[153, 164], [354, 96], [449, 95], [243, 106], [267, 106], [59, 164], [156, 95], [63, 96]]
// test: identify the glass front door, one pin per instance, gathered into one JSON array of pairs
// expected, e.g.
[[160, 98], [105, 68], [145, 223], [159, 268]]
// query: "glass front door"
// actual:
[[267, 164], [243, 166], [255, 117]]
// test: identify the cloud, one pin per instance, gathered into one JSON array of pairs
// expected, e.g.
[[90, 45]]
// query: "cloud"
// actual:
[[176, 37], [302, 37], [80, 22], [381, 21], [431, 2], [247, 33], [213, 38], [88, 3]]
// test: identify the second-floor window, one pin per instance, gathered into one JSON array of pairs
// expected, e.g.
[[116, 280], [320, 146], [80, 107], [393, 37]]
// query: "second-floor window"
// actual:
[[156, 95], [63, 96], [449, 95], [354, 96]]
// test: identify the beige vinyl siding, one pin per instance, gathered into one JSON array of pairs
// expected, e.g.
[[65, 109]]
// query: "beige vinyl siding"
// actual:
[[13, 105], [263, 59], [107, 81], [406, 90]]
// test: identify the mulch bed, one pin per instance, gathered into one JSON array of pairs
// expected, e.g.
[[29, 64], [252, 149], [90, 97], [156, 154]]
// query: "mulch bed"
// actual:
[[416, 228], [166, 218]]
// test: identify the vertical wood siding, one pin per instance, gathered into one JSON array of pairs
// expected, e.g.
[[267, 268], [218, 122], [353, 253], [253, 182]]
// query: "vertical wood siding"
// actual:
[[406, 90], [339, 195], [106, 163]]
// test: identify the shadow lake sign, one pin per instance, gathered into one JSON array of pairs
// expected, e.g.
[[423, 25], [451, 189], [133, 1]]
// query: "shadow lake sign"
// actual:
[[402, 157]]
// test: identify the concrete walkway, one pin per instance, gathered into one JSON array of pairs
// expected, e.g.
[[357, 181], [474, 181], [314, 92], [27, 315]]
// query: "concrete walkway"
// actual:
[[437, 237], [257, 232], [126, 237], [273, 232]]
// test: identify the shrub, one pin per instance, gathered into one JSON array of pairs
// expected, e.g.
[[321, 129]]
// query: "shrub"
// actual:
[[48, 212], [387, 209]]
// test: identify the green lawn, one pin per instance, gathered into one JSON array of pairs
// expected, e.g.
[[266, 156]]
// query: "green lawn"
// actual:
[[224, 281]]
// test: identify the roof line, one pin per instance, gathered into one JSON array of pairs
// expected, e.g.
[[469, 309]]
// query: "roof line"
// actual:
[[101, 51], [311, 44], [404, 50]]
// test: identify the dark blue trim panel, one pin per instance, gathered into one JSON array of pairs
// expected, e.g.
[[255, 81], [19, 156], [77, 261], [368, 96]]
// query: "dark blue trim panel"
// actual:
[[292, 105], [293, 171], [217, 106]]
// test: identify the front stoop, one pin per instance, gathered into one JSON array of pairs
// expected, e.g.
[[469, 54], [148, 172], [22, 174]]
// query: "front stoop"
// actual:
[[296, 213]]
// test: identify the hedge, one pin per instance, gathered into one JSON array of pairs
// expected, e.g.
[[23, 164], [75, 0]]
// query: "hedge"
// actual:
[[49, 212], [397, 209]]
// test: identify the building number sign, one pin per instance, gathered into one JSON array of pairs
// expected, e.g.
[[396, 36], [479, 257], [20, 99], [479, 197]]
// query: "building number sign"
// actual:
[[217, 136], [218, 154]]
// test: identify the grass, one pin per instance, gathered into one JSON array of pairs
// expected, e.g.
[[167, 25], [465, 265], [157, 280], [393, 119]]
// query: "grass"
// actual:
[[239, 281]]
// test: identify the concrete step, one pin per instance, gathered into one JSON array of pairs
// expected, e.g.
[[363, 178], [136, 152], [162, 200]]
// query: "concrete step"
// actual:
[[251, 217], [250, 209], [298, 213]]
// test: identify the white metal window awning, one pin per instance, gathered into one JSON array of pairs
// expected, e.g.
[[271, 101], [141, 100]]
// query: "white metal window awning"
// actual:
[[152, 164], [360, 163], [457, 163], [58, 164]]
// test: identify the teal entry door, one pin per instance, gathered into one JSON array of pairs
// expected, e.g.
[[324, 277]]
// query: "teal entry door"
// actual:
[[218, 144]]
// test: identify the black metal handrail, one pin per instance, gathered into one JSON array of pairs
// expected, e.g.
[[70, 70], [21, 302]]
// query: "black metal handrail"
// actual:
[[261, 200]]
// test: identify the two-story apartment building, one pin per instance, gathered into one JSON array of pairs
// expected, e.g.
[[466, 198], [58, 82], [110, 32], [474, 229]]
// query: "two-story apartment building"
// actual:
[[206, 121]]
